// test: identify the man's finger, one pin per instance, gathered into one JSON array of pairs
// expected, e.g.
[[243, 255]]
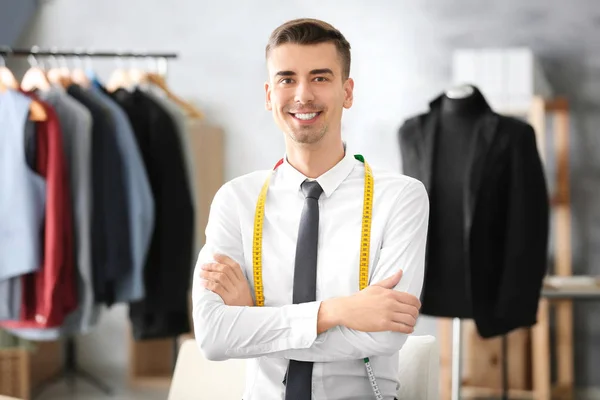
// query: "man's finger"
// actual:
[[236, 268], [404, 308], [407, 319], [215, 287], [215, 266], [391, 282], [218, 277], [219, 267], [400, 327], [407, 298]]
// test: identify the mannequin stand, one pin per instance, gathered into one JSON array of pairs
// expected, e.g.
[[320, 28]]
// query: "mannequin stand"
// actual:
[[504, 368], [457, 362], [70, 372], [456, 358]]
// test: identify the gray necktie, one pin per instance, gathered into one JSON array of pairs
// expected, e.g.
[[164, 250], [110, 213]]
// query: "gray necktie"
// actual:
[[299, 375]]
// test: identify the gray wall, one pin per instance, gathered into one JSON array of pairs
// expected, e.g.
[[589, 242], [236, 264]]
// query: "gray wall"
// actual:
[[401, 59], [14, 15]]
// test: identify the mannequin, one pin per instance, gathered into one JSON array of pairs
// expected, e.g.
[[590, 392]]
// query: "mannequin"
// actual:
[[489, 211], [459, 92], [461, 109]]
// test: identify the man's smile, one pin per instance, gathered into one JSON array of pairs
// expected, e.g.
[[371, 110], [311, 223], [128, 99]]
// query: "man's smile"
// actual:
[[306, 117]]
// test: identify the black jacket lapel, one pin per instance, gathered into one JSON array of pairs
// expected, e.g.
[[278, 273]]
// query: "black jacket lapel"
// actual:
[[482, 141], [429, 126]]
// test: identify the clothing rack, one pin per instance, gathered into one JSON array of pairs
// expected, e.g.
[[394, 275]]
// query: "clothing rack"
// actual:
[[35, 51], [70, 370]]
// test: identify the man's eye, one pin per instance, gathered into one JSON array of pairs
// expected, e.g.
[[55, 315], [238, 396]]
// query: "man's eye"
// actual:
[[286, 80], [321, 79]]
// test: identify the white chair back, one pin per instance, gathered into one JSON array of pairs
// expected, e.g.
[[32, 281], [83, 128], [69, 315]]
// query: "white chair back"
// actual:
[[196, 378], [419, 367]]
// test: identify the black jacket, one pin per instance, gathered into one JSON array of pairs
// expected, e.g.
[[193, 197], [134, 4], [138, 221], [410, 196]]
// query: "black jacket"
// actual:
[[163, 312], [505, 224]]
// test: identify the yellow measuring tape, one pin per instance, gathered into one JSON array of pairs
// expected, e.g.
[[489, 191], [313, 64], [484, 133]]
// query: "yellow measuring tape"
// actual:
[[365, 237], [365, 241]]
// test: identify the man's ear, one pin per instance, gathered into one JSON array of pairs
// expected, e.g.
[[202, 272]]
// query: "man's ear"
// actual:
[[268, 96], [348, 93]]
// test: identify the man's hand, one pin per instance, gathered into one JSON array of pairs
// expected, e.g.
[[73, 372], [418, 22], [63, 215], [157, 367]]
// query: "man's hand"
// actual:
[[225, 278], [374, 309]]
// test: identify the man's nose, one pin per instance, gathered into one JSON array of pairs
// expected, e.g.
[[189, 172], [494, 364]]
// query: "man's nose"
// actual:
[[304, 93]]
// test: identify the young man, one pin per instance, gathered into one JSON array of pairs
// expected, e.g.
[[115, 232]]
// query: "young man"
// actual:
[[268, 231]]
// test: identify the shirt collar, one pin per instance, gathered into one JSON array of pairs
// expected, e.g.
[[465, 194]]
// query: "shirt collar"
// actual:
[[329, 181]]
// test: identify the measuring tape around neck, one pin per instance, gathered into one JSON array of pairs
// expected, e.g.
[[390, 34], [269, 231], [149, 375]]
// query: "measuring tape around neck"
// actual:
[[365, 240]]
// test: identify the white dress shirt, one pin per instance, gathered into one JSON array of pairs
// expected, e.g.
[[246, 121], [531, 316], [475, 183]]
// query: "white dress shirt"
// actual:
[[269, 336]]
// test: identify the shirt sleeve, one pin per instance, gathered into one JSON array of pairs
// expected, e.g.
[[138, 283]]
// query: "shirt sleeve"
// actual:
[[403, 248], [224, 331]]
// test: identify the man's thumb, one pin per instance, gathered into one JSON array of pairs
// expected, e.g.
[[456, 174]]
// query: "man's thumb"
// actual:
[[391, 282]]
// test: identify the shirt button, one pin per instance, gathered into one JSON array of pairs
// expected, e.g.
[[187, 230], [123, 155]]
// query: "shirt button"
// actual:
[[40, 319]]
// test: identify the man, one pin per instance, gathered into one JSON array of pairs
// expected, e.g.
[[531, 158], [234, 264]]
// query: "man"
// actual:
[[309, 338]]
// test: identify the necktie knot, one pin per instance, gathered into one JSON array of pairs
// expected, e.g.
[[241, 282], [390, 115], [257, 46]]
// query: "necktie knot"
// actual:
[[311, 189]]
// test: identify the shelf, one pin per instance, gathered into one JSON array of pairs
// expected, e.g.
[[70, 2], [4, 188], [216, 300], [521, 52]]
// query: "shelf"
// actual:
[[572, 287]]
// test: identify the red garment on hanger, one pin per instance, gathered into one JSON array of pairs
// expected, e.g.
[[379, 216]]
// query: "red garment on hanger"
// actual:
[[50, 293]]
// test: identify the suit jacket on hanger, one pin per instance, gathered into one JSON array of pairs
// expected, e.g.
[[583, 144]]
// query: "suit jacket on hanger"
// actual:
[[164, 310], [505, 222], [111, 234]]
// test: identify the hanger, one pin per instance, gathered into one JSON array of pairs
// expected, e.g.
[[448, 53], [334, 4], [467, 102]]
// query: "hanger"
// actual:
[[37, 112], [157, 79], [8, 82], [7, 79], [34, 78], [119, 79], [78, 75], [136, 75], [58, 74]]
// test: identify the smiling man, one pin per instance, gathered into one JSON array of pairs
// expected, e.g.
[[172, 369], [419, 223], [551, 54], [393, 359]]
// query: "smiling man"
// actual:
[[312, 270]]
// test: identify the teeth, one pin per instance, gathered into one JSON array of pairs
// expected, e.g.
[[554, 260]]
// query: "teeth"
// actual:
[[306, 116]]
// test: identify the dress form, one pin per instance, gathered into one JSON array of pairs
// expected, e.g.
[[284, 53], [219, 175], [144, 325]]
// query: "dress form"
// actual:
[[458, 118]]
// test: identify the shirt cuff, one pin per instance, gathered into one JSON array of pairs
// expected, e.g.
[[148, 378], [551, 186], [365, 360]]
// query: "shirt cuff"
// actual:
[[303, 321]]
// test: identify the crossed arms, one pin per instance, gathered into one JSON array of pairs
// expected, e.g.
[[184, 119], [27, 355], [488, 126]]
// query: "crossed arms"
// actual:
[[375, 321]]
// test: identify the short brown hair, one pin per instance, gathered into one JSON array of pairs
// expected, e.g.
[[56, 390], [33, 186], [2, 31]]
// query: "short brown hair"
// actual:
[[311, 31]]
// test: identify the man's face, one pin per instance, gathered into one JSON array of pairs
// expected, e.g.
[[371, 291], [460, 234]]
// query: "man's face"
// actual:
[[306, 92]]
